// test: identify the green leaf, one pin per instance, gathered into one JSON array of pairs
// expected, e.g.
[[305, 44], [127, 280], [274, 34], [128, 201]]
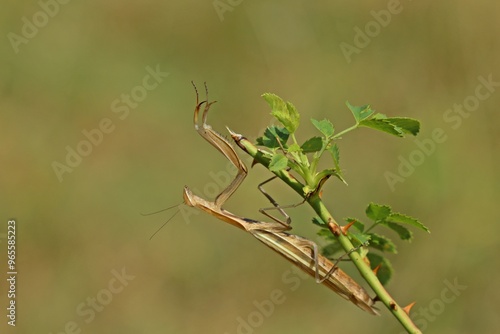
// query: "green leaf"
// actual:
[[379, 116], [327, 234], [404, 219], [269, 138], [385, 271], [360, 238], [408, 125], [284, 112], [382, 243], [334, 150], [294, 117], [278, 162], [377, 212], [403, 232], [294, 148], [357, 224], [319, 222], [331, 249], [398, 126], [382, 125], [360, 113], [324, 126], [274, 101], [313, 144]]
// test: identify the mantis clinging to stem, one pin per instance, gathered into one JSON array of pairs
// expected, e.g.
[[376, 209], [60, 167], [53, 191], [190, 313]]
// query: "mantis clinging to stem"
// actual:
[[298, 250]]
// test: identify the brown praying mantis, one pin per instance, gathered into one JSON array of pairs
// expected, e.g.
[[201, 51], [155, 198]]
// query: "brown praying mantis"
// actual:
[[298, 250]]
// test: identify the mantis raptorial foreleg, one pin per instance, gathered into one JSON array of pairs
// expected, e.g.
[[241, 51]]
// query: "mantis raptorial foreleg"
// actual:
[[221, 144]]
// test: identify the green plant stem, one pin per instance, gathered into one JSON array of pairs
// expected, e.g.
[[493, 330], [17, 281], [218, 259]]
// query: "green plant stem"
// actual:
[[343, 132], [318, 155], [317, 204], [371, 227]]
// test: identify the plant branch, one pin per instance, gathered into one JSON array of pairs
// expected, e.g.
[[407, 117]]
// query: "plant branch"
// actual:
[[343, 132], [317, 204]]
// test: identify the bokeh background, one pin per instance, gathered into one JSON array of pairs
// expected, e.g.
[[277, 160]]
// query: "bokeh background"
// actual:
[[198, 275]]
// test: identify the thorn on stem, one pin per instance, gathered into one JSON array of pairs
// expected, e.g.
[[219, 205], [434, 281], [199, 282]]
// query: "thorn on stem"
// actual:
[[346, 227], [393, 306], [408, 307], [375, 270]]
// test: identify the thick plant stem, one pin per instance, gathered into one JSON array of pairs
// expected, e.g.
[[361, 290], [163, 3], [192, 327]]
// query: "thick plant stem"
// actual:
[[317, 204], [365, 271]]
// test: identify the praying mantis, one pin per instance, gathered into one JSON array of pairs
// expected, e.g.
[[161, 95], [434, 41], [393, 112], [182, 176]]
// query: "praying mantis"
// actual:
[[300, 251]]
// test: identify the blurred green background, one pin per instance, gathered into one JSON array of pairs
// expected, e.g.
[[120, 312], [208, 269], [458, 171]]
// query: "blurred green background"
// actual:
[[198, 275]]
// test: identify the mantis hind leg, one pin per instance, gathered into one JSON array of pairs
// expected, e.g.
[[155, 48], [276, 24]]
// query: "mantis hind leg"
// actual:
[[330, 272]]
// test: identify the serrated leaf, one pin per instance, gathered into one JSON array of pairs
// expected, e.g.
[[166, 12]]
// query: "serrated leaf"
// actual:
[[377, 212], [360, 238], [358, 225], [334, 150], [293, 118], [385, 271], [360, 113], [311, 145], [398, 126], [278, 162], [324, 126], [382, 125], [284, 112], [404, 219], [269, 138], [382, 243], [406, 124], [274, 101], [403, 232]]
